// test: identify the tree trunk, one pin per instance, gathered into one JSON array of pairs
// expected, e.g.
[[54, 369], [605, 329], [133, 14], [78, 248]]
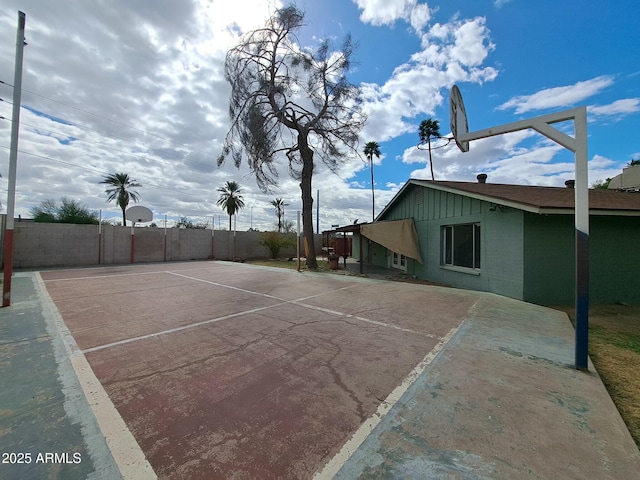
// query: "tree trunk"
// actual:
[[373, 197], [430, 161], [307, 201], [124, 219]]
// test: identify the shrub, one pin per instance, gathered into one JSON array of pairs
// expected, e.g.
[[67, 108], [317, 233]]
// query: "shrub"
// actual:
[[275, 241], [68, 211]]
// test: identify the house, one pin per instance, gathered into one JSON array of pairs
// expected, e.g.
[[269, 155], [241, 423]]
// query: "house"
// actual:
[[513, 240], [628, 180]]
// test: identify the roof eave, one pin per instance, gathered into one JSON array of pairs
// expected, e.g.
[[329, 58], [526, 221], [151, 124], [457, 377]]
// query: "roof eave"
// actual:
[[540, 210], [484, 198]]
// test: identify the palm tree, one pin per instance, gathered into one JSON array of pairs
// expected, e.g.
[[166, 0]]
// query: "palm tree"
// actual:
[[279, 205], [371, 149], [428, 129], [230, 199], [120, 190]]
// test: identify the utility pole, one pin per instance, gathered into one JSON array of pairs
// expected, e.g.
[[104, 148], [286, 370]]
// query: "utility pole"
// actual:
[[13, 162]]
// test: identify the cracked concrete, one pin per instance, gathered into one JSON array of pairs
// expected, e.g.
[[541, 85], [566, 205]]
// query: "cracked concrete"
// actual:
[[231, 371]]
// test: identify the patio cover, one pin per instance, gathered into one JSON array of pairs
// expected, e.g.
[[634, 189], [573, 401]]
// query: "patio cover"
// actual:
[[399, 236]]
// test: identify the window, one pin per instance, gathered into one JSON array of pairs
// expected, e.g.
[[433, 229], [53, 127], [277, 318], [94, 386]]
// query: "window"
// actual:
[[461, 245], [398, 261]]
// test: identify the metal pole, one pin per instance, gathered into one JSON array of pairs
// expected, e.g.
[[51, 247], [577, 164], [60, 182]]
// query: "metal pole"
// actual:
[[578, 145], [318, 212], [13, 164], [100, 237], [132, 240], [165, 237], [361, 256], [582, 241], [213, 230], [298, 239]]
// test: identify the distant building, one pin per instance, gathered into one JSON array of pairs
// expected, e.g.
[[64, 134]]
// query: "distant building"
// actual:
[[628, 180], [513, 240]]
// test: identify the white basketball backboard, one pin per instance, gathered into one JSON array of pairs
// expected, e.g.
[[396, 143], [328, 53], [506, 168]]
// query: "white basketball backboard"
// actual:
[[139, 214], [458, 118]]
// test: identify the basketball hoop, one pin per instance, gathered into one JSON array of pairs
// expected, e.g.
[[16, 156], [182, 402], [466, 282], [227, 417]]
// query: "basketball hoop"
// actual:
[[578, 145], [436, 143]]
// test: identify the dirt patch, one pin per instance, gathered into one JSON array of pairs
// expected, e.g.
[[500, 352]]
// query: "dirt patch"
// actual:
[[614, 348]]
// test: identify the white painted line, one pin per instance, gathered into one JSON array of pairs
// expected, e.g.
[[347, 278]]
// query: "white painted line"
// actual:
[[298, 302], [225, 286], [125, 451], [362, 319], [178, 329], [348, 449], [96, 277], [301, 299]]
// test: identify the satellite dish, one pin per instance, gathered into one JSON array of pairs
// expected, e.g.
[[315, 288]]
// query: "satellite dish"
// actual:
[[139, 214]]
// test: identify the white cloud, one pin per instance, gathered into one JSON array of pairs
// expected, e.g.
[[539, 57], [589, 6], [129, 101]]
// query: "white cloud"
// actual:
[[522, 158], [451, 53], [619, 107], [153, 80], [558, 96], [387, 12]]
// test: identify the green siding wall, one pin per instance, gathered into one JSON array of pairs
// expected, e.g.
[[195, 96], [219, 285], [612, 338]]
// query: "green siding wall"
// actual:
[[501, 240], [614, 259], [525, 256], [614, 253], [549, 259]]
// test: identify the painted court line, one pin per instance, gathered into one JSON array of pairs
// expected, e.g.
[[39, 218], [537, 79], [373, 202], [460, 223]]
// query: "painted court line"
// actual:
[[178, 329], [348, 449], [300, 301], [223, 285], [362, 319], [124, 448], [282, 301], [94, 277]]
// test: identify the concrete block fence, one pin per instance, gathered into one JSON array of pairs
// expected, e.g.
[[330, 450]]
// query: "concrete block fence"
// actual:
[[41, 245]]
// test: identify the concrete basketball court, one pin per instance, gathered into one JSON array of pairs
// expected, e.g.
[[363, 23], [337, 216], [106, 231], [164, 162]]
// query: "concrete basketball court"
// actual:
[[207, 370]]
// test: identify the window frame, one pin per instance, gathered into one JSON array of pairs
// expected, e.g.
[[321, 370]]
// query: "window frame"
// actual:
[[449, 247]]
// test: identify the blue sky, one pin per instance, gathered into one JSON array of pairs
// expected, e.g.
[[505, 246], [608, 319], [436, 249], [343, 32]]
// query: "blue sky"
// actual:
[[139, 87]]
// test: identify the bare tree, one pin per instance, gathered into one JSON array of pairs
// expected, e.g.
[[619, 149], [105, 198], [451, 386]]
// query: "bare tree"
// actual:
[[290, 100]]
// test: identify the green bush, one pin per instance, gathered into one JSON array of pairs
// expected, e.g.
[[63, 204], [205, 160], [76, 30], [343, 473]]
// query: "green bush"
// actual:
[[68, 211], [275, 241]]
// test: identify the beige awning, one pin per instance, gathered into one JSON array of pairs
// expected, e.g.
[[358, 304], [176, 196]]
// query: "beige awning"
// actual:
[[399, 236]]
